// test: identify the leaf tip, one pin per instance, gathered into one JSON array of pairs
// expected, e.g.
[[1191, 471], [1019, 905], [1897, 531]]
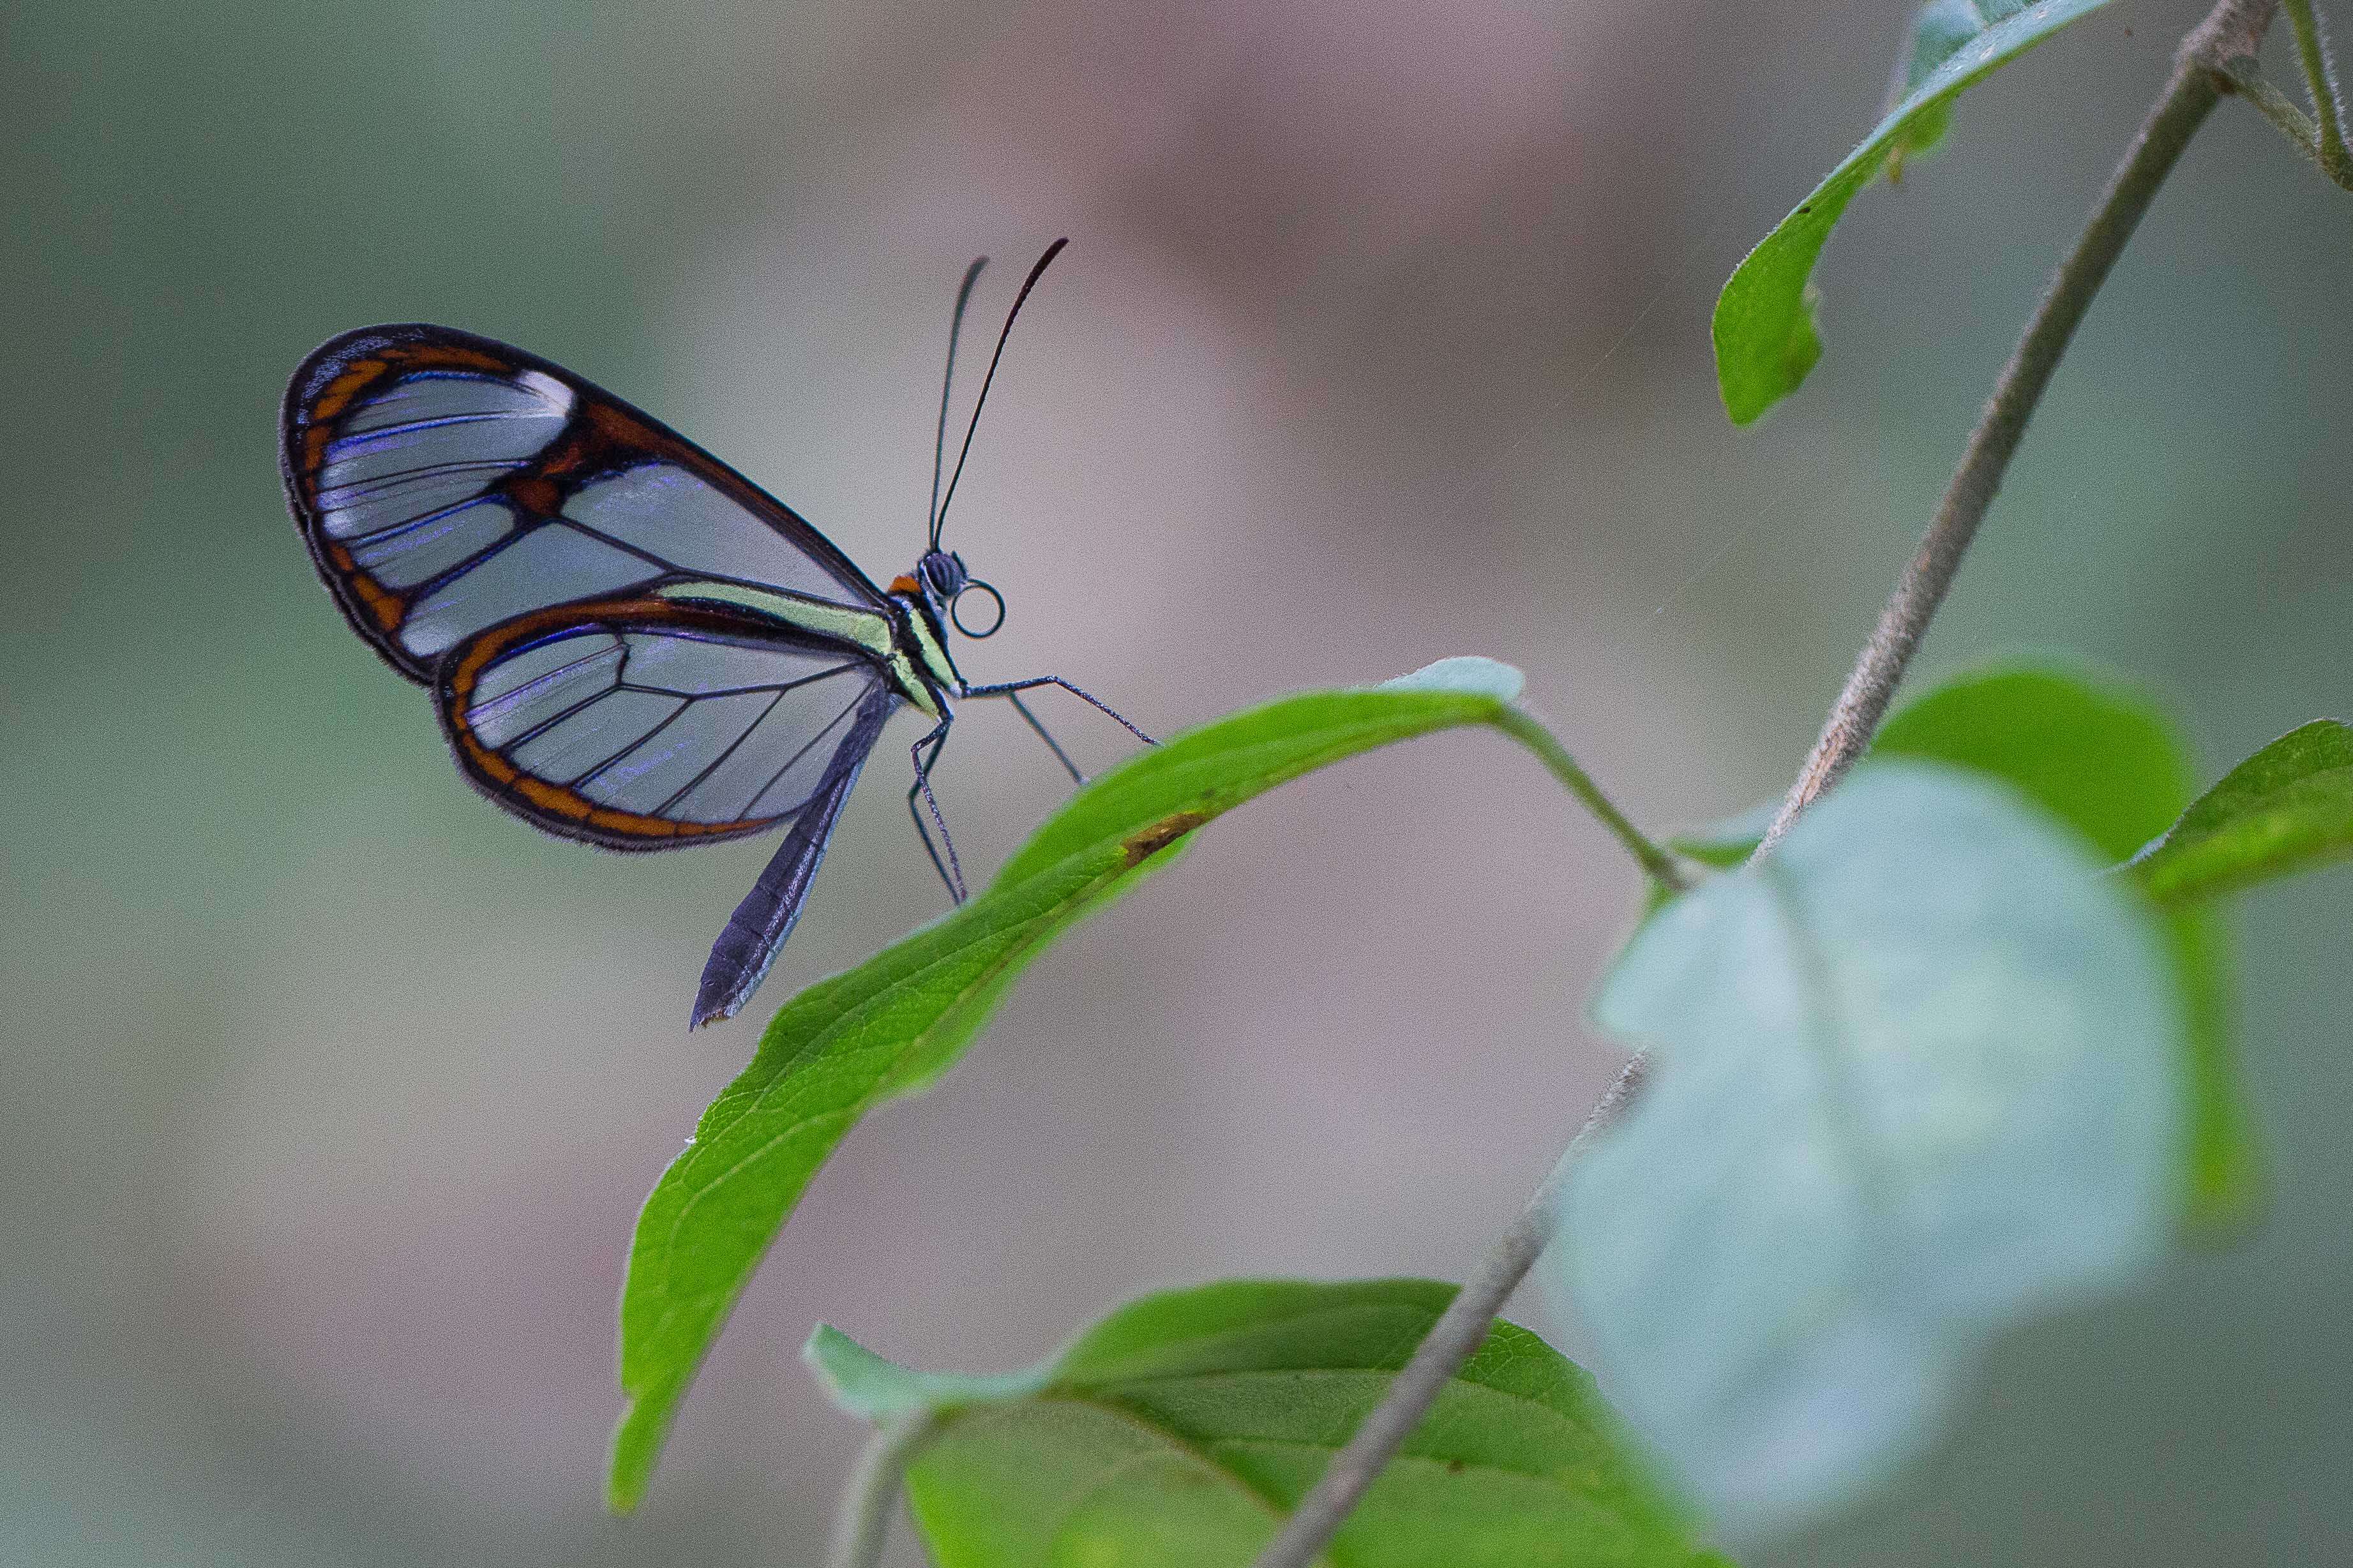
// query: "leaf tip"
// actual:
[[636, 1443], [838, 1362], [1467, 673]]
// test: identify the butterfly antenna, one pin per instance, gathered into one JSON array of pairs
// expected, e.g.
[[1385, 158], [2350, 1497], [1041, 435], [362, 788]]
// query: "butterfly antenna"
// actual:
[[947, 382], [939, 520]]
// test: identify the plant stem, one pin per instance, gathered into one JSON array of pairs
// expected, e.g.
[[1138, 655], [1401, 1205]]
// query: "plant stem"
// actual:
[[873, 1488], [2229, 31], [2196, 86], [1660, 865], [2290, 121], [1460, 1331], [2312, 48]]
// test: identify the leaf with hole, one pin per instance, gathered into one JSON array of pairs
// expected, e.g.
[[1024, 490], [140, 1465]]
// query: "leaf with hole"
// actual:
[[1918, 1077], [890, 1027], [1764, 325], [1183, 1426]]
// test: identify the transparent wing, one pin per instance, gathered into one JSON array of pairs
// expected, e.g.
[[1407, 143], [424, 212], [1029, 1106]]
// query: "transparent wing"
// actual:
[[644, 723], [445, 483], [755, 933]]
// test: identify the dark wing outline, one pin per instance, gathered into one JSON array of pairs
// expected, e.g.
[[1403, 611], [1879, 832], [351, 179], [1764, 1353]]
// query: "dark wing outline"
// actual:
[[603, 431], [565, 812]]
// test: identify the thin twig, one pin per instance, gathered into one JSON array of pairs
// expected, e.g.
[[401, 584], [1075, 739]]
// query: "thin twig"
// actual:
[[1657, 862], [2231, 29], [2320, 78], [873, 1488], [2289, 120], [1459, 1332]]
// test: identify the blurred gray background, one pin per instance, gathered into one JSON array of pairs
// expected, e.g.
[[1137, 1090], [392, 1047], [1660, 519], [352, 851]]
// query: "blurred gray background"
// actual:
[[331, 1092]]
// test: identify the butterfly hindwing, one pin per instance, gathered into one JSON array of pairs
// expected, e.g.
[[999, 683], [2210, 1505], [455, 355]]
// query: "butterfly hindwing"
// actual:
[[643, 723], [755, 933], [445, 483]]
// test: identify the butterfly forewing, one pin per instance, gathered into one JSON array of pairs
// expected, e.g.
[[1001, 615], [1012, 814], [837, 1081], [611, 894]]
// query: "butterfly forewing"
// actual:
[[640, 723], [446, 484]]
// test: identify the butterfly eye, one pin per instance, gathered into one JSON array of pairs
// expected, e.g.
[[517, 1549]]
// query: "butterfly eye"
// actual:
[[943, 575], [955, 609]]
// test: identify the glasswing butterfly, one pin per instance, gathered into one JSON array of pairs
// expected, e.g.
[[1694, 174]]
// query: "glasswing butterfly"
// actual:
[[626, 641]]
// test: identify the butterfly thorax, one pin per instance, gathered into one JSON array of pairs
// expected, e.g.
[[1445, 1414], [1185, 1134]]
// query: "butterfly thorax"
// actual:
[[921, 647]]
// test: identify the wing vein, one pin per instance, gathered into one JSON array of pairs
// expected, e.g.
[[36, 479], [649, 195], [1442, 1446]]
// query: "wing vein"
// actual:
[[631, 744], [690, 785], [568, 520], [363, 490], [752, 690], [524, 529], [360, 540], [342, 446], [544, 725], [847, 710]]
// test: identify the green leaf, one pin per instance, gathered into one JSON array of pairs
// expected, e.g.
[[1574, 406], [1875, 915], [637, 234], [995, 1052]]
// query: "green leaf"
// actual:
[[2103, 757], [2099, 755], [880, 1391], [2288, 809], [2095, 752], [2225, 1174], [1183, 1427], [890, 1026], [1918, 1077], [1764, 326], [1940, 29]]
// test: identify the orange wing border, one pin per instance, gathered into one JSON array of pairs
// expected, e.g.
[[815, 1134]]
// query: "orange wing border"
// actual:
[[564, 811]]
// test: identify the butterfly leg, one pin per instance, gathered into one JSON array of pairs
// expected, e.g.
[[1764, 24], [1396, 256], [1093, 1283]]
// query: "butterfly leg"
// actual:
[[1011, 688], [925, 755], [1046, 735]]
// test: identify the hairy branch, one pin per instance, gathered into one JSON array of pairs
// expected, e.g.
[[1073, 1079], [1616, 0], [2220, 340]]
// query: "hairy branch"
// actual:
[[2320, 80], [2292, 123]]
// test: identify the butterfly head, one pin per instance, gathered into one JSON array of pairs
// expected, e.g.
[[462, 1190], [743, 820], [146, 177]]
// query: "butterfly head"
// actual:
[[943, 575], [944, 580]]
